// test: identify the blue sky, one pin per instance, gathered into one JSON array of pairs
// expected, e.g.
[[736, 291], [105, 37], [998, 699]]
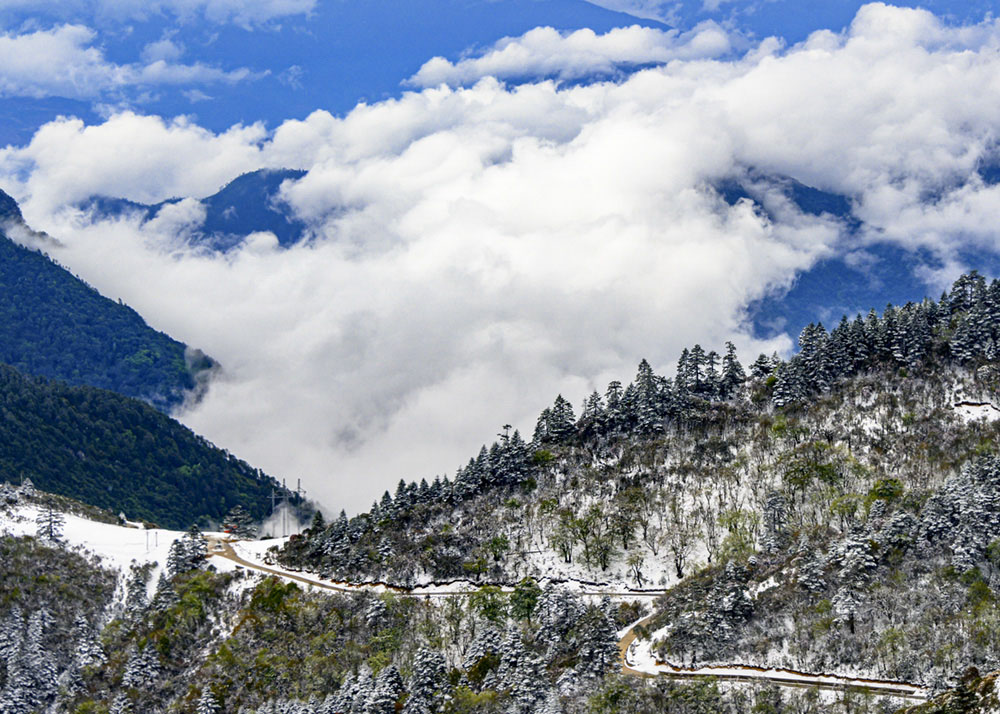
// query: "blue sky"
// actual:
[[515, 212]]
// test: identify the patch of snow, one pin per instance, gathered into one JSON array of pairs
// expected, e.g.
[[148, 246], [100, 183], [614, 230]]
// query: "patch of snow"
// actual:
[[970, 411]]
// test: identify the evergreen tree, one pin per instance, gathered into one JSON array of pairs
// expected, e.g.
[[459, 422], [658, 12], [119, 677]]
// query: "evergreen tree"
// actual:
[[386, 692], [733, 375], [142, 668], [775, 519], [121, 704], [598, 639], [135, 589], [240, 524], [207, 703], [188, 552], [647, 401], [763, 367], [165, 596], [49, 524], [428, 683], [562, 423], [614, 418], [856, 565]]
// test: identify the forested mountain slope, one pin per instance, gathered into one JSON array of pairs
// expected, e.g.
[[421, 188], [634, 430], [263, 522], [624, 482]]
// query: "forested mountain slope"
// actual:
[[52, 324], [118, 453], [91, 631], [835, 512]]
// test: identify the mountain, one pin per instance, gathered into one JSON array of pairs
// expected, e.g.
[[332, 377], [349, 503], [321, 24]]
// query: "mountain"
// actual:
[[819, 535], [838, 512], [52, 324], [118, 453], [248, 204]]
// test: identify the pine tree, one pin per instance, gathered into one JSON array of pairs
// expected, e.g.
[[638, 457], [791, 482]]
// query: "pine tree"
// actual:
[[165, 596], [17, 694], [207, 703], [188, 552], [553, 703], [598, 644], [856, 565], [135, 589], [733, 375], [386, 692], [696, 370], [88, 646], [614, 419], [762, 368], [121, 705], [49, 524], [648, 418], [592, 417], [142, 668], [732, 602], [38, 663], [775, 519], [8, 494], [428, 683], [239, 523], [790, 385], [557, 613], [810, 575], [562, 423], [343, 699], [528, 685]]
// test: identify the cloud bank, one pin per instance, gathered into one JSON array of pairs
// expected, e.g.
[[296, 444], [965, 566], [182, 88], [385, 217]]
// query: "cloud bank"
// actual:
[[545, 52], [64, 62], [477, 250]]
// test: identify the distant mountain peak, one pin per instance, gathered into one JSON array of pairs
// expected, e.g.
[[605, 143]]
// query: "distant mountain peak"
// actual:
[[250, 203]]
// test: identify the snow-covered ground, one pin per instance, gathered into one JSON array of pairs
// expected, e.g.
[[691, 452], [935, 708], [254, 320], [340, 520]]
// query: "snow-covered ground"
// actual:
[[116, 547], [254, 553], [971, 411], [639, 657]]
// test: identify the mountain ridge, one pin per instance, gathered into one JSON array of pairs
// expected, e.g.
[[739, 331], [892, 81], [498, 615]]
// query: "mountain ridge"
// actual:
[[52, 324]]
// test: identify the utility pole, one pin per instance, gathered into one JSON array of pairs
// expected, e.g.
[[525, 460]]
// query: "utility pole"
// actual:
[[283, 497], [300, 494]]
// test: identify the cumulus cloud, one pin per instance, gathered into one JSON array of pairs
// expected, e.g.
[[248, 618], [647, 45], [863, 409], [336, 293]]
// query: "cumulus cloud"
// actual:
[[164, 49], [477, 250], [64, 62], [545, 52], [246, 13]]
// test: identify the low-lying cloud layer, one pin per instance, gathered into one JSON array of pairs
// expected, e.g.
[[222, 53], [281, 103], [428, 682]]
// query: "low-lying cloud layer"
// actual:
[[477, 250]]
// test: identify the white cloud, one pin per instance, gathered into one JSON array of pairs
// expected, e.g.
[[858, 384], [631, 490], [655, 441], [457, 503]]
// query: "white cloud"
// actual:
[[164, 49], [478, 250], [664, 11], [246, 13], [64, 62], [545, 52]]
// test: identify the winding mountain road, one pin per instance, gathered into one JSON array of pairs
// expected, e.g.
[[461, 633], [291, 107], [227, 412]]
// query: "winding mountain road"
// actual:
[[629, 644]]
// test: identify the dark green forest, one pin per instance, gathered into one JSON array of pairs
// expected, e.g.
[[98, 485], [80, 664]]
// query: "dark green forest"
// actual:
[[53, 324], [118, 453]]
